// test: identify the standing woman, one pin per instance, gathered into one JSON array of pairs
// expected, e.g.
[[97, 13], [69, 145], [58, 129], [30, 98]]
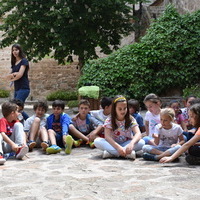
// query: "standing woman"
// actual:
[[19, 73]]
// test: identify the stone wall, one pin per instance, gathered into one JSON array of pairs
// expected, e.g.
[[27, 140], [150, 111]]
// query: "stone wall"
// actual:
[[4, 67], [184, 6], [47, 76], [156, 7]]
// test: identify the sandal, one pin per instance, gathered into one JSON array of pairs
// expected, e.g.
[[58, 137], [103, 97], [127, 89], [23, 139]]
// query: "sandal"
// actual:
[[31, 144], [44, 145]]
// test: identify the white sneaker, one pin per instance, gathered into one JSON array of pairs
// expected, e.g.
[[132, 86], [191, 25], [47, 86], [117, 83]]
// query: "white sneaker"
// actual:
[[107, 155], [2, 159], [132, 155], [22, 152]]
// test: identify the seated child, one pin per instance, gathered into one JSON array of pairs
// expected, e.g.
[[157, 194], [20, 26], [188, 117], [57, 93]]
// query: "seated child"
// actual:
[[178, 114], [58, 125], [35, 126], [134, 109], [84, 122], [192, 146], [152, 117], [191, 129], [122, 134], [185, 110], [168, 137], [101, 115], [24, 116], [12, 136]]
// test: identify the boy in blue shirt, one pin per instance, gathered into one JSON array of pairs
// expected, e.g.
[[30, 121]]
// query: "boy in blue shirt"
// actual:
[[58, 125], [134, 109]]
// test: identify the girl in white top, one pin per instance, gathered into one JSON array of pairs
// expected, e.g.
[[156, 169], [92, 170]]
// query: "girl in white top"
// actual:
[[122, 134], [168, 137], [193, 145], [152, 117]]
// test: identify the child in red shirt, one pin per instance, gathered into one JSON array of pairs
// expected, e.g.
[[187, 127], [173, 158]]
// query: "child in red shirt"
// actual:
[[12, 136]]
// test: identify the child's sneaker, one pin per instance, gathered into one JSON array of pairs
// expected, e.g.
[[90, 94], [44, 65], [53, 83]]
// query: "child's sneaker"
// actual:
[[77, 143], [69, 142], [91, 144], [44, 145], [22, 151], [2, 159], [9, 155], [132, 155], [31, 144], [107, 155], [53, 149]]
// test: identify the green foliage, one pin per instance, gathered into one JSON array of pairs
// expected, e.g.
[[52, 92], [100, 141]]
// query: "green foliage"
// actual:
[[193, 90], [167, 56], [4, 93], [65, 27], [62, 95], [72, 104]]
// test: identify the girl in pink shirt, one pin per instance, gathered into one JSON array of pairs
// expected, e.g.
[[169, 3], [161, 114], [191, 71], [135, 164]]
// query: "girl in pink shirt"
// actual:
[[122, 134]]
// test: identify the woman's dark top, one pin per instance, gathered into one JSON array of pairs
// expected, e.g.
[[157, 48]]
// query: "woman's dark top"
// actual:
[[23, 82]]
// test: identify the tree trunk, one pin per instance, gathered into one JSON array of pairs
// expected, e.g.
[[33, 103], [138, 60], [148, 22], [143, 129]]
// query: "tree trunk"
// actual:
[[80, 64]]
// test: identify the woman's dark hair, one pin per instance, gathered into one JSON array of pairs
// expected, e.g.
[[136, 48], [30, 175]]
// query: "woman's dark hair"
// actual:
[[117, 99], [21, 53], [196, 110]]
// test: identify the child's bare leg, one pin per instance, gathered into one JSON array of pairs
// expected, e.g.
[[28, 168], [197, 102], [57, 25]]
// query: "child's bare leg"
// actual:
[[169, 151], [44, 138], [52, 136], [163, 154], [77, 133], [34, 129], [53, 148], [25, 139], [43, 134]]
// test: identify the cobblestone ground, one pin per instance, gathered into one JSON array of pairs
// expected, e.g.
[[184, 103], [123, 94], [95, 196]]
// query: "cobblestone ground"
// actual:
[[84, 175]]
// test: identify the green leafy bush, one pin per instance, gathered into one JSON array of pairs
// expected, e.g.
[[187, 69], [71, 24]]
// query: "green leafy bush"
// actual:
[[166, 57], [4, 93], [194, 90], [62, 95], [72, 103]]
